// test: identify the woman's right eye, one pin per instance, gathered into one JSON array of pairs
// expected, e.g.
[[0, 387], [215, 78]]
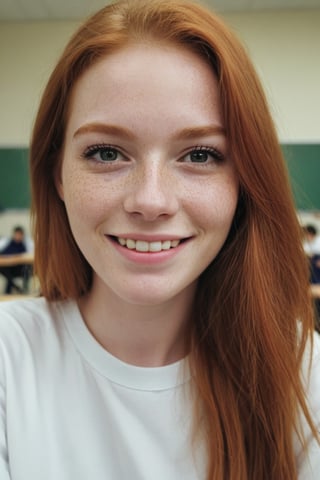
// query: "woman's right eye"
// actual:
[[102, 153]]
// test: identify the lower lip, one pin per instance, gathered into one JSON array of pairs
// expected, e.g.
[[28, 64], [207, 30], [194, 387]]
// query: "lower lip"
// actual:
[[147, 258]]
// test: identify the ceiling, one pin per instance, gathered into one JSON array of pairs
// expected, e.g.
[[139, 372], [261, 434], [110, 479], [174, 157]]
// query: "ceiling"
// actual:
[[30, 10]]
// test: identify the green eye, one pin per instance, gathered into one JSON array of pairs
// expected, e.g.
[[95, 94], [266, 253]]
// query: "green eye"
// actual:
[[108, 154], [102, 153], [204, 155], [199, 157]]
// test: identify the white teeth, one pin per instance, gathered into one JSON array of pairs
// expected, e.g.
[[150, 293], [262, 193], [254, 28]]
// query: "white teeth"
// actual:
[[155, 246], [143, 246], [175, 243], [166, 245], [131, 244]]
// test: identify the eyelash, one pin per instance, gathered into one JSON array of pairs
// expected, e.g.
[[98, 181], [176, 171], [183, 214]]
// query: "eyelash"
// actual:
[[214, 152], [94, 149], [218, 157]]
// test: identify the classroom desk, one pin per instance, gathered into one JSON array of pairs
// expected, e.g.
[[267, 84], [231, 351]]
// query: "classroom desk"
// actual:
[[315, 290], [10, 297], [17, 259], [9, 269]]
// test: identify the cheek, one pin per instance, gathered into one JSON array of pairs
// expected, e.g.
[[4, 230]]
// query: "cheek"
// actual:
[[89, 199], [80, 197], [214, 204]]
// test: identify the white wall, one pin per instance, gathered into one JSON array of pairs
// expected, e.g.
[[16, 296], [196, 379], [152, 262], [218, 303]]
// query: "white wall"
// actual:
[[12, 218], [28, 53], [285, 47]]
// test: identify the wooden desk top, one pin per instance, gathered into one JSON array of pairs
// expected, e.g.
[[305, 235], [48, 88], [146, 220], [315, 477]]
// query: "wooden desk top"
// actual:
[[9, 298], [315, 290], [17, 259]]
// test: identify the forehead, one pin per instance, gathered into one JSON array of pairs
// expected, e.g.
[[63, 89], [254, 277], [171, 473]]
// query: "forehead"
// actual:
[[144, 76], [150, 54]]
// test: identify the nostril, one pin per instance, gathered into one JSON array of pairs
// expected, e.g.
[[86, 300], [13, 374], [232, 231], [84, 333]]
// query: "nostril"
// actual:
[[149, 201]]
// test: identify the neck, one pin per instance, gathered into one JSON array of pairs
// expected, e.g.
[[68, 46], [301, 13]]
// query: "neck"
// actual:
[[144, 335]]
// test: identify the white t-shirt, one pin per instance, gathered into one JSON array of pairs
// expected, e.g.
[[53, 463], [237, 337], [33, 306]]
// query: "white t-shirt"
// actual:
[[71, 411], [312, 247]]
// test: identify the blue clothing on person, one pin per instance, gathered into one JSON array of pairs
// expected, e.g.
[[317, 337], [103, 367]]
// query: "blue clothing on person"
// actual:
[[315, 269], [15, 246]]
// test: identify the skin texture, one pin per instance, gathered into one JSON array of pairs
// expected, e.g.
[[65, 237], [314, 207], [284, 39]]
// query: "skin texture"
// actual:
[[148, 109]]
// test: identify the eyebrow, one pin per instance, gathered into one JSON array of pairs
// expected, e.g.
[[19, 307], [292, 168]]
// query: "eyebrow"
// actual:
[[104, 128], [205, 131], [185, 134]]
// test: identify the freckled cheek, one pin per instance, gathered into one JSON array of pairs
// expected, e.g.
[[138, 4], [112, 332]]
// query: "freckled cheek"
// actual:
[[86, 201], [214, 205]]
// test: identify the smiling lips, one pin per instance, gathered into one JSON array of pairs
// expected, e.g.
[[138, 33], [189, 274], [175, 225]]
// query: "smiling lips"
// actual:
[[143, 246]]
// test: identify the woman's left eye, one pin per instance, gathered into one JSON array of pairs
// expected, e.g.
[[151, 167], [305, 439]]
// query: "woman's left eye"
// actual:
[[204, 155], [102, 153]]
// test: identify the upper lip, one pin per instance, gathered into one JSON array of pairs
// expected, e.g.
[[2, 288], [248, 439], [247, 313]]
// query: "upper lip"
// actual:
[[150, 238]]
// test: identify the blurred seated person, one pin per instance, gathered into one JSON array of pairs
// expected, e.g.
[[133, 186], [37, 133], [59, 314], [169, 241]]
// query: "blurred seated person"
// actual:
[[315, 268], [15, 246], [315, 281], [311, 241], [311, 247]]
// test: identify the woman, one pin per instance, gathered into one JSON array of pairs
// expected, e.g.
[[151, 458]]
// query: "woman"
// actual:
[[166, 342]]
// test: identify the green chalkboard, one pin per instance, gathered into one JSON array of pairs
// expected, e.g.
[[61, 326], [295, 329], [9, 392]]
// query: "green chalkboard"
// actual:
[[14, 178], [303, 164], [304, 168]]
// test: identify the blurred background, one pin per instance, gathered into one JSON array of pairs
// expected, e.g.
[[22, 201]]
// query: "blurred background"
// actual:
[[282, 36]]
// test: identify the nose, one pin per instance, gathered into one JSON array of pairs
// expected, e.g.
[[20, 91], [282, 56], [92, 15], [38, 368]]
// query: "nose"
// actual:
[[151, 193]]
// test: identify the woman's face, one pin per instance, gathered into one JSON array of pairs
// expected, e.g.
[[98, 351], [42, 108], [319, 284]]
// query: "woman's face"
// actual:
[[146, 178]]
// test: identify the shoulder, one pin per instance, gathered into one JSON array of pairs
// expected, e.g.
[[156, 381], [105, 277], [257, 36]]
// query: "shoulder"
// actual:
[[308, 462], [310, 374], [311, 356], [24, 311], [30, 324]]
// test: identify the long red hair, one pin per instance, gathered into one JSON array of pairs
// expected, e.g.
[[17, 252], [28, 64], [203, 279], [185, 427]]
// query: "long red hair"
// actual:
[[245, 350]]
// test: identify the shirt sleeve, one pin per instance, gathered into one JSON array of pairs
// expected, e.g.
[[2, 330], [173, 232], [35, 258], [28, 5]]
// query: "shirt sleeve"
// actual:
[[309, 469], [4, 464], [309, 462]]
